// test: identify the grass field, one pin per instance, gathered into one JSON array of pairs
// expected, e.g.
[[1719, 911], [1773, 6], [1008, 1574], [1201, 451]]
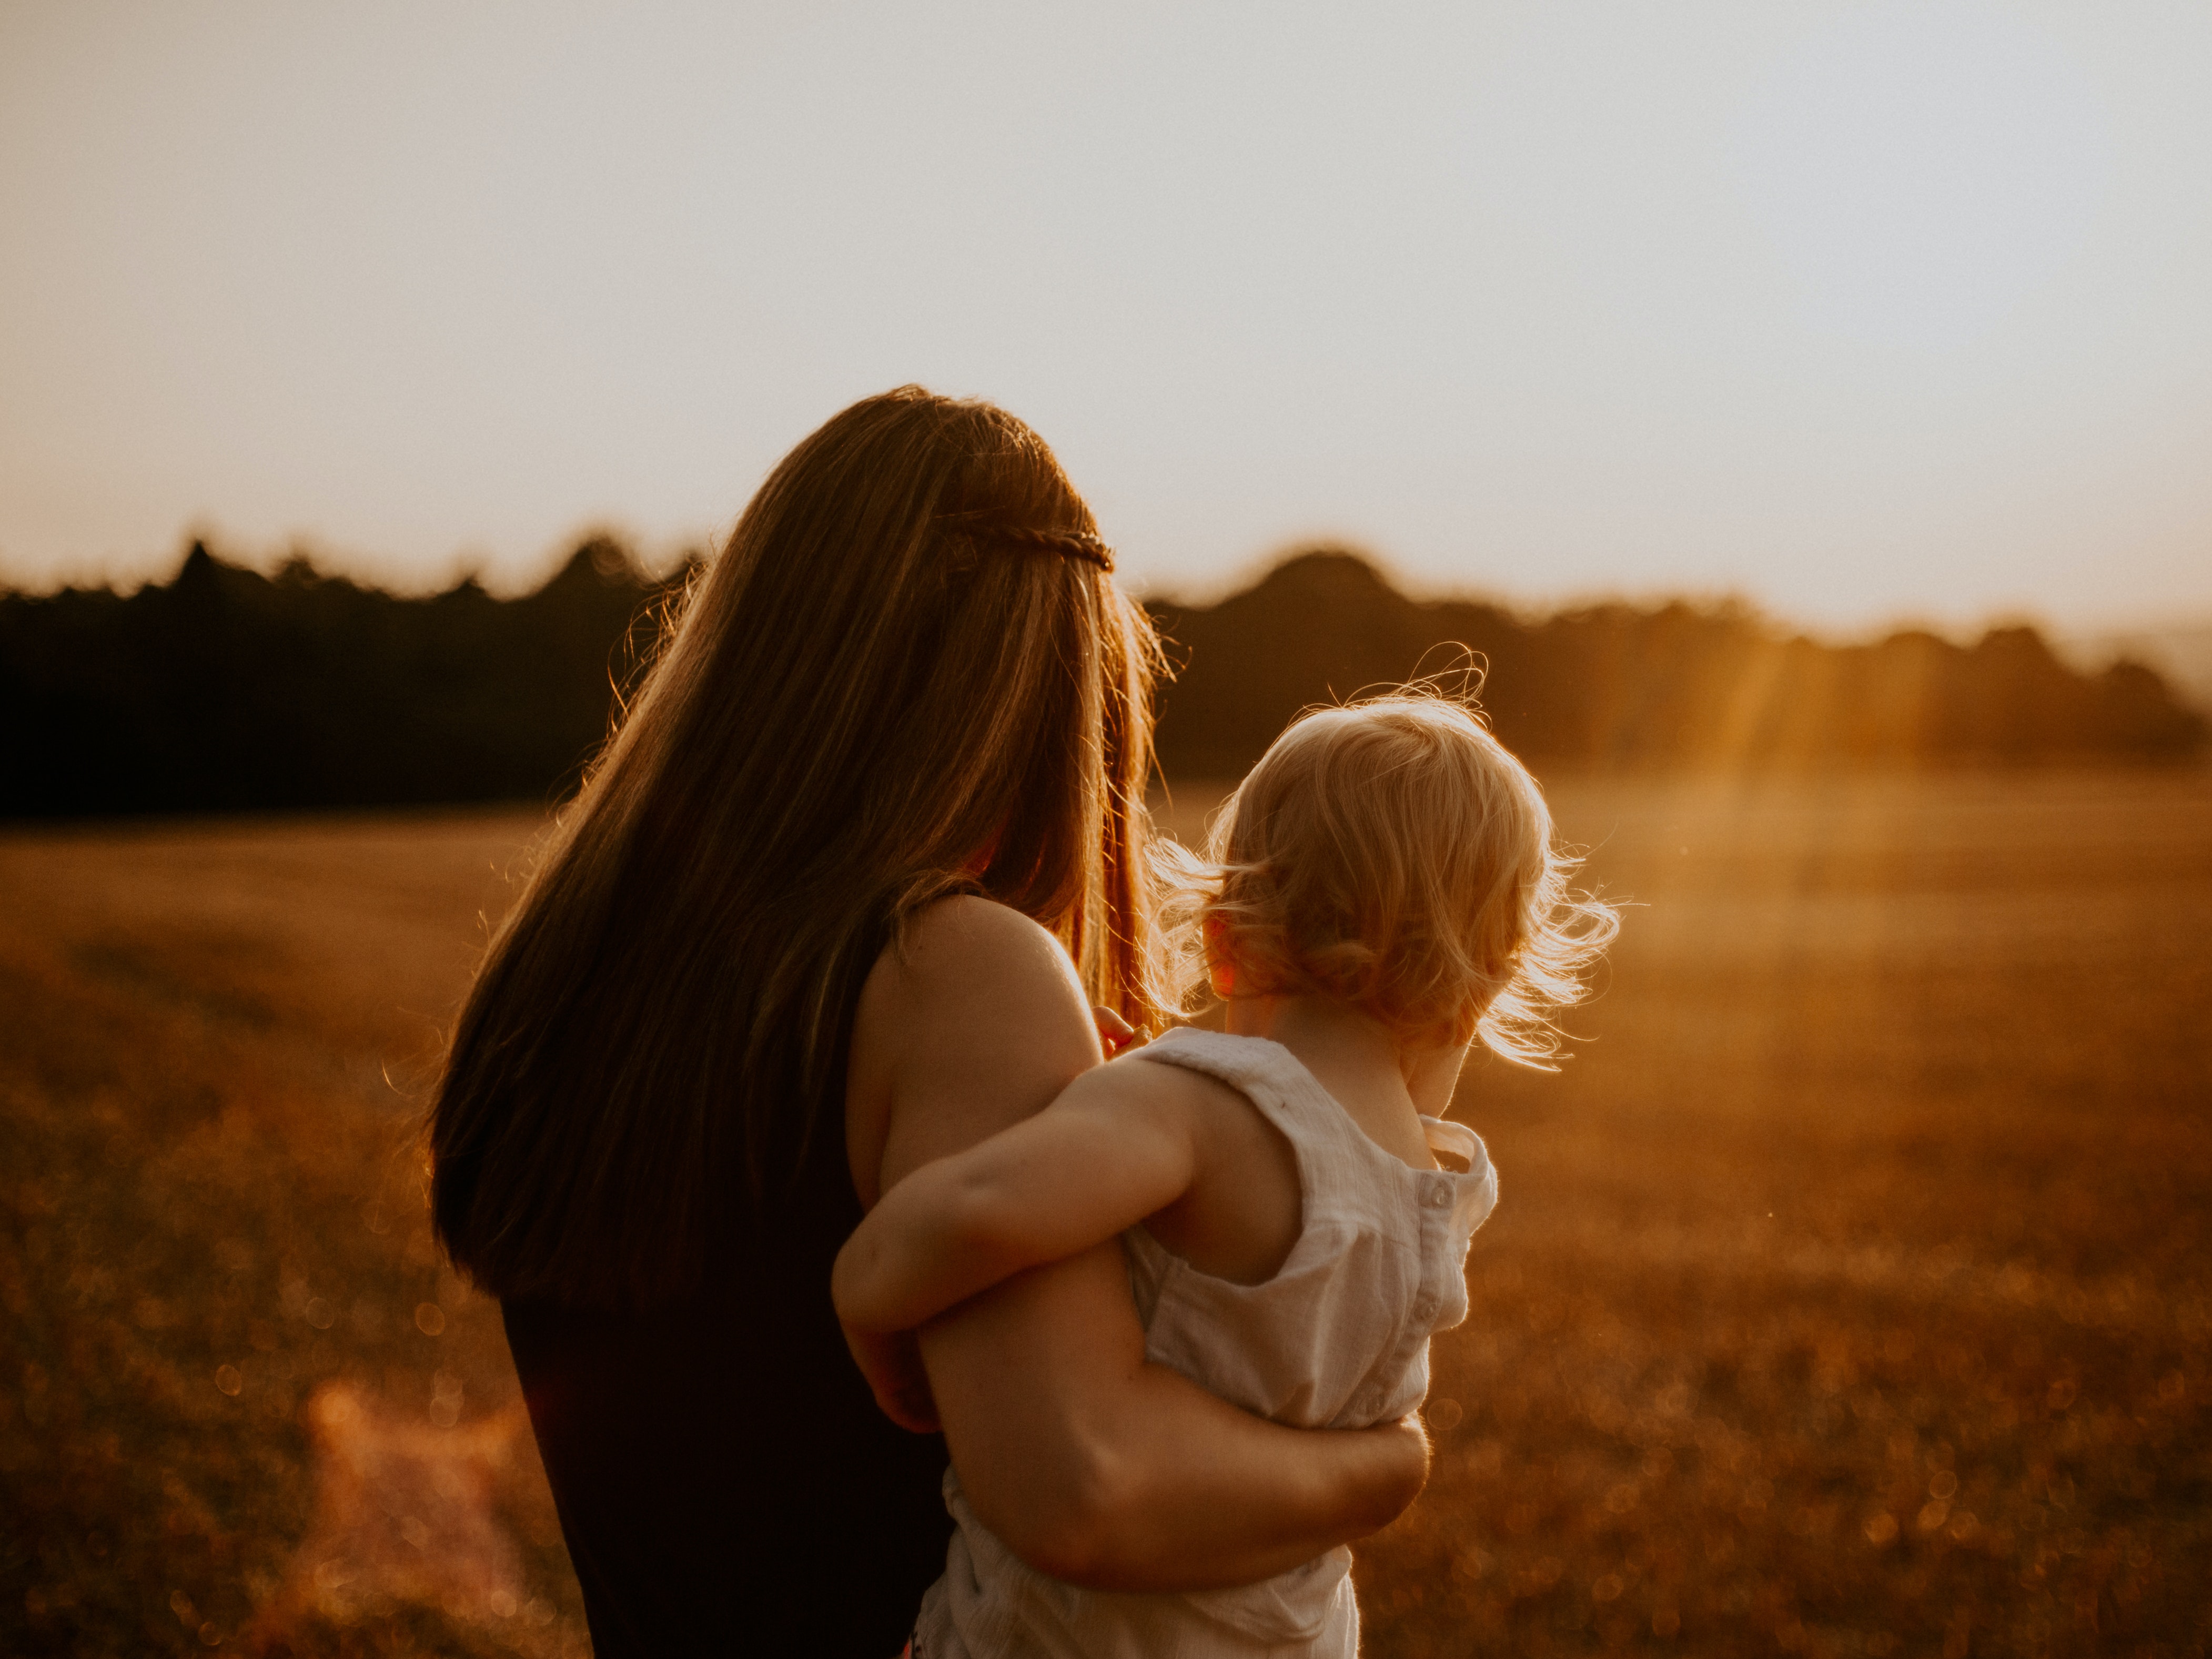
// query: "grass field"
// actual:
[[1848, 1293]]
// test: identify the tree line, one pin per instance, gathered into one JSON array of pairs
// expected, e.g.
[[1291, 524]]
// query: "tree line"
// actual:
[[225, 690], [1670, 687]]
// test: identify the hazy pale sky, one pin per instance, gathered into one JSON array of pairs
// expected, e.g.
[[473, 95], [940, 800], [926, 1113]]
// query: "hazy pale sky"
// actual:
[[1864, 311]]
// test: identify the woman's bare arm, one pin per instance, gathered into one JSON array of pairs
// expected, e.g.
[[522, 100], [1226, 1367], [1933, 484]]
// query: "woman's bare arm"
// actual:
[[1090, 1463], [1101, 1469]]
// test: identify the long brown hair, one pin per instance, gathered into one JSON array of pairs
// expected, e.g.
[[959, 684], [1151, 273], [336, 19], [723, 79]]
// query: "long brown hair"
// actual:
[[908, 662]]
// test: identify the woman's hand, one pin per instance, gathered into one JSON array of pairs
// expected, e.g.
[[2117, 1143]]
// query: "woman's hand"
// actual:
[[1411, 1449], [1114, 1033], [891, 1361]]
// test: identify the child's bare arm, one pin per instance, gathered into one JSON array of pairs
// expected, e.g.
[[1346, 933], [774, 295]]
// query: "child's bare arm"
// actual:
[[1114, 1148]]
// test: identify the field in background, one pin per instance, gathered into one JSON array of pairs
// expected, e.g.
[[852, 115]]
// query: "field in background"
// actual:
[[1848, 1293]]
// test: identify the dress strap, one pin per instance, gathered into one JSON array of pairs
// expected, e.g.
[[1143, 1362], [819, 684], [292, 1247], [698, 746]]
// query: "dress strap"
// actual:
[[1455, 1145], [1266, 1074], [1461, 1150]]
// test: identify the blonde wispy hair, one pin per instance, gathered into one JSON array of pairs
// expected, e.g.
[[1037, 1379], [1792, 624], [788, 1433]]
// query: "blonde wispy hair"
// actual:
[[1392, 854]]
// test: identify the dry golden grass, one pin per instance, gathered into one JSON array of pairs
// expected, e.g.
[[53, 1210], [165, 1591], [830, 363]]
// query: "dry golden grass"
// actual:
[[242, 1405], [1848, 1295]]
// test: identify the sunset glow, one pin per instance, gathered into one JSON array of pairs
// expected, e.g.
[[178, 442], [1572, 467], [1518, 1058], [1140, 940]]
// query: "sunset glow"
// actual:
[[1866, 312]]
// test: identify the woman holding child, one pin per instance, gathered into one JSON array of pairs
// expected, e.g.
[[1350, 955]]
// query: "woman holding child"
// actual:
[[832, 917], [836, 902]]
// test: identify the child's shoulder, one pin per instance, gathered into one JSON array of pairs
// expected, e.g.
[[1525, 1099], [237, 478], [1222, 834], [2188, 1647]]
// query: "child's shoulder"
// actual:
[[1161, 1074], [1232, 1061]]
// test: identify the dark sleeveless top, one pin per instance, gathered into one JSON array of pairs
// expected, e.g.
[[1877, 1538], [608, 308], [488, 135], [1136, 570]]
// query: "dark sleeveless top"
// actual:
[[725, 1481]]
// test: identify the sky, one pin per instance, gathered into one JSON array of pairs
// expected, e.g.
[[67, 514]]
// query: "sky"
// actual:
[[1865, 313]]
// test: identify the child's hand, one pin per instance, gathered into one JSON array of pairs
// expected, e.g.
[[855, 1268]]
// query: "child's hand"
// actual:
[[891, 1361], [1114, 1033]]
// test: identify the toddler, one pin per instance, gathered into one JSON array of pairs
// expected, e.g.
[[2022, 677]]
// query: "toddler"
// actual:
[[1379, 894]]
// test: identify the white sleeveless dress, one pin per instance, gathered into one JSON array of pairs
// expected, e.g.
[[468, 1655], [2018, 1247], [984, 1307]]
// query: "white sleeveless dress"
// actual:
[[1339, 1338]]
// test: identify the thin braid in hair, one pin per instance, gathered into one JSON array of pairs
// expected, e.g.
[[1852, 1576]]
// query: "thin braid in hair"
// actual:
[[1074, 544], [1069, 543]]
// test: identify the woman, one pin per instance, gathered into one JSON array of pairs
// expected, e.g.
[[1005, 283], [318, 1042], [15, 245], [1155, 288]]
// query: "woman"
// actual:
[[838, 901]]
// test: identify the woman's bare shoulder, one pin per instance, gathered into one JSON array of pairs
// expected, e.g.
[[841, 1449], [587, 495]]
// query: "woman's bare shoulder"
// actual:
[[973, 1021], [970, 954], [972, 928]]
